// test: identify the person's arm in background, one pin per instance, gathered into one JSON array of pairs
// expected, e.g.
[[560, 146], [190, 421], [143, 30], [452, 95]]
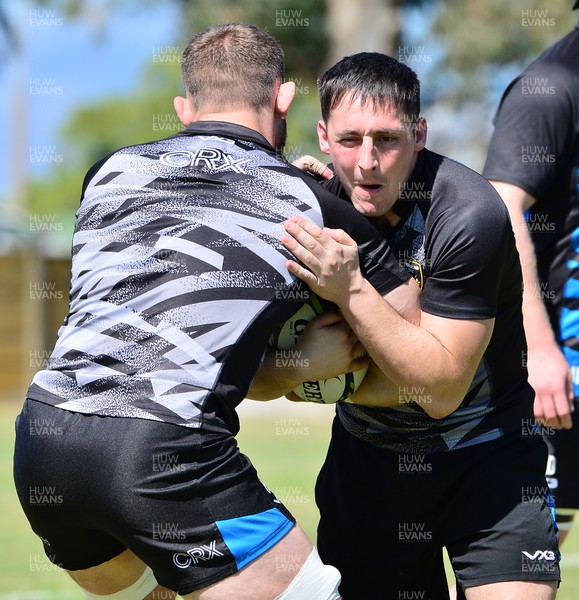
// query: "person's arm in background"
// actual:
[[545, 121], [549, 373]]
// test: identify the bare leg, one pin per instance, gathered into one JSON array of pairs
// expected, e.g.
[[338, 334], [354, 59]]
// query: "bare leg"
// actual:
[[263, 579], [115, 575], [266, 577], [514, 590]]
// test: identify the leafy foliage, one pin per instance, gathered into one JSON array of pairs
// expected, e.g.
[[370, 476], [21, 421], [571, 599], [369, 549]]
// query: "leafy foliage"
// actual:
[[299, 25], [478, 38]]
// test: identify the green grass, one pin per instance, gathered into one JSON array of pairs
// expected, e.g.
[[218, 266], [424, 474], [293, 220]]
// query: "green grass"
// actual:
[[25, 572], [286, 442]]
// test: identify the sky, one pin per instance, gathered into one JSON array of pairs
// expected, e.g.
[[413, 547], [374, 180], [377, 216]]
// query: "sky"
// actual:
[[65, 62]]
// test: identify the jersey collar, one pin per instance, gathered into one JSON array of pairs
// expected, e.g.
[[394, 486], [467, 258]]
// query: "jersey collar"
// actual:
[[225, 129]]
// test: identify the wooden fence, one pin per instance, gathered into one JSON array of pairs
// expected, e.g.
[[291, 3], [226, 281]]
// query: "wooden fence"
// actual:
[[33, 302]]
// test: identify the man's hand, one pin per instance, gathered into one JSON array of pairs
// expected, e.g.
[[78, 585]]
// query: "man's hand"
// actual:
[[330, 255], [326, 348], [329, 347], [450, 349], [313, 165], [294, 397], [550, 377]]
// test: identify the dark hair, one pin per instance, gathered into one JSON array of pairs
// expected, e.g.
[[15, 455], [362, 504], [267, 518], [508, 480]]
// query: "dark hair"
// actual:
[[372, 77], [230, 66]]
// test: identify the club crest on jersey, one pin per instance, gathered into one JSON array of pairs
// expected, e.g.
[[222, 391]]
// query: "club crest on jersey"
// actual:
[[415, 269], [204, 158]]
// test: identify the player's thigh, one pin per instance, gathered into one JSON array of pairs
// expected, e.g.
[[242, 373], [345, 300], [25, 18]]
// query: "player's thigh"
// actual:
[[264, 578], [116, 575], [187, 503], [513, 590], [508, 534], [376, 523], [111, 576], [55, 472]]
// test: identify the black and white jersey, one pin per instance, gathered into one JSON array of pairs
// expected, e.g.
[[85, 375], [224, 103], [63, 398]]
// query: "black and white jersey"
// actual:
[[178, 276], [455, 237]]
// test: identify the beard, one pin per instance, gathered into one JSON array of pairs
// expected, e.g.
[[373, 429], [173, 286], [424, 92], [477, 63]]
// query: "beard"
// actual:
[[280, 135]]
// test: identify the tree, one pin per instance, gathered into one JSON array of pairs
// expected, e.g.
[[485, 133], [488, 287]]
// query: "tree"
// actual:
[[96, 129], [478, 39], [365, 26], [297, 24]]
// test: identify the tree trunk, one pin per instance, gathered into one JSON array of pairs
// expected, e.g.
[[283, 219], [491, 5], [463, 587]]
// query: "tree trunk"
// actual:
[[362, 26]]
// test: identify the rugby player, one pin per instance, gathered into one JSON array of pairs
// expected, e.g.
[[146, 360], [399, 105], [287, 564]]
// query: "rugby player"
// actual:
[[438, 447], [178, 280]]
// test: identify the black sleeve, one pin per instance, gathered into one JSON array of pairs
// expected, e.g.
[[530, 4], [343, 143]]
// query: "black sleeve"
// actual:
[[470, 246], [534, 130], [379, 264]]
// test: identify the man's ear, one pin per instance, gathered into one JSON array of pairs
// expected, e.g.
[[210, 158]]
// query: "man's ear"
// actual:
[[420, 134], [184, 110], [323, 137], [284, 98]]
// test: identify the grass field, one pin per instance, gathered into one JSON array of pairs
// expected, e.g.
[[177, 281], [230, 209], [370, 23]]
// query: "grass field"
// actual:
[[285, 441]]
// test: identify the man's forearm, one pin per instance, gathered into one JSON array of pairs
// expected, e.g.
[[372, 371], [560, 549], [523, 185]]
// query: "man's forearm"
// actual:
[[272, 380], [414, 360], [377, 390], [549, 372], [538, 328]]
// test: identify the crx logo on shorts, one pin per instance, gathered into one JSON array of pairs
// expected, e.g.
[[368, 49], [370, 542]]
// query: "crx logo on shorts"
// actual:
[[194, 555], [540, 555]]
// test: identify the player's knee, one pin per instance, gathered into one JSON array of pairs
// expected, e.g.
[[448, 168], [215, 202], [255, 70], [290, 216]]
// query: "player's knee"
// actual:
[[314, 581], [139, 590]]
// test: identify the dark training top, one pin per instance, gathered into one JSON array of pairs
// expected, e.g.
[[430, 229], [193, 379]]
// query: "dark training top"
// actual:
[[179, 277], [455, 237], [535, 146]]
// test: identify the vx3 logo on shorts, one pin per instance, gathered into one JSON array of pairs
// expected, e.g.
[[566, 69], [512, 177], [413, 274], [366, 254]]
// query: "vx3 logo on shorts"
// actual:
[[194, 555], [540, 555]]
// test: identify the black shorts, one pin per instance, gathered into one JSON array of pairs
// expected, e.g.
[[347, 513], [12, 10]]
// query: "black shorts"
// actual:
[[562, 472], [386, 517], [188, 503]]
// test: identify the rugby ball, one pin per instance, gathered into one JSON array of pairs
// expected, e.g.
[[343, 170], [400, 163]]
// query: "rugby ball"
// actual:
[[326, 391]]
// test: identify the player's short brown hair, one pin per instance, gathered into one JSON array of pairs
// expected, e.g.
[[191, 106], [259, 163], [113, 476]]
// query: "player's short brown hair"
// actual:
[[231, 66]]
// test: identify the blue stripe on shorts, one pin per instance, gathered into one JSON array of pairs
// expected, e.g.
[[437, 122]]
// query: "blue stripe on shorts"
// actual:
[[250, 536]]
